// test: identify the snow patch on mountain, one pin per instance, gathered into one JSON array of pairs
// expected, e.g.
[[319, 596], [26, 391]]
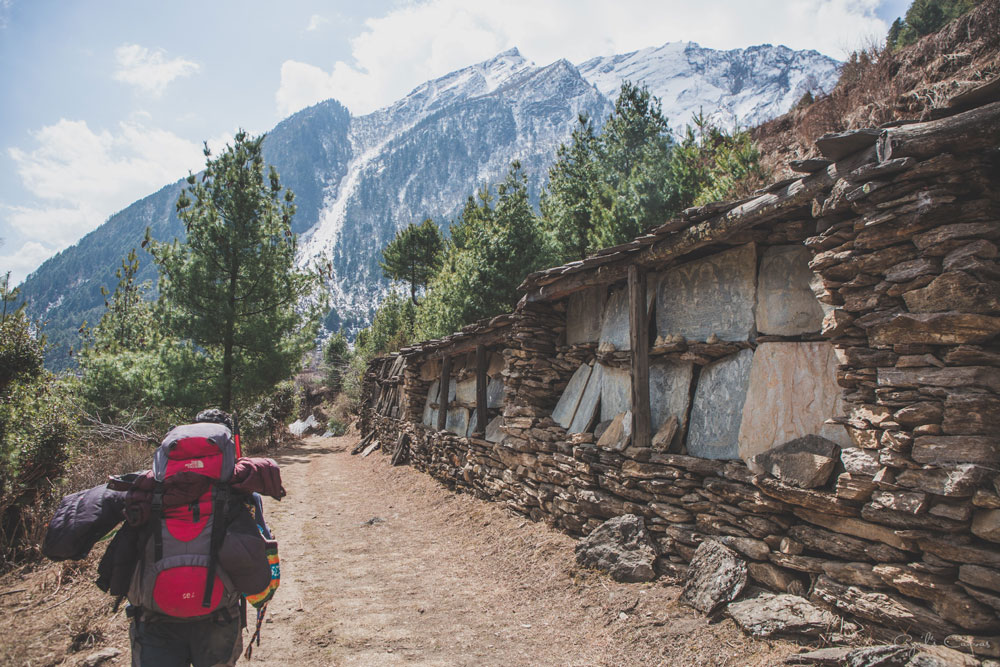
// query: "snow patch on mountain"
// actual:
[[742, 87]]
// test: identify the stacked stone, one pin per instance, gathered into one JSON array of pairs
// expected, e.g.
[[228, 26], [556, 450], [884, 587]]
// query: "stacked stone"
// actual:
[[532, 383], [899, 530], [906, 253], [415, 387]]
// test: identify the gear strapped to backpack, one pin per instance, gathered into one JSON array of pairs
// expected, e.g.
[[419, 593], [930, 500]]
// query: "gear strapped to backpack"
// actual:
[[179, 573]]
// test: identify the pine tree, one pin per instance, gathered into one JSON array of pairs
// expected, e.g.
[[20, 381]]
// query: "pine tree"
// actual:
[[414, 255], [607, 189], [336, 357], [232, 288], [567, 204], [492, 249], [892, 38]]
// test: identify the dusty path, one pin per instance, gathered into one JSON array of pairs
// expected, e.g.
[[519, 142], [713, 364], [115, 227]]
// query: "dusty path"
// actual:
[[384, 566]]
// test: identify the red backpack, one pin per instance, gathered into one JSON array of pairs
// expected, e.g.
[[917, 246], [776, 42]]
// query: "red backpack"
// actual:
[[179, 573]]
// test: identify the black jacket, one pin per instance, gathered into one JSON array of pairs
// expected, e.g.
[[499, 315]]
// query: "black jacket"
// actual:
[[81, 520]]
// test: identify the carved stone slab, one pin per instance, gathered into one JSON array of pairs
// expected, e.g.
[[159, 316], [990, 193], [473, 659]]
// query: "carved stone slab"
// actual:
[[493, 432], [786, 306], [430, 413], [586, 411], [718, 407], [494, 393], [616, 392], [566, 407], [792, 391], [458, 421], [465, 391], [472, 423], [669, 391], [711, 295], [615, 323], [584, 315]]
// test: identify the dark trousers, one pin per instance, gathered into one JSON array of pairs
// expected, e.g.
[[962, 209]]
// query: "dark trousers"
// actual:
[[208, 643]]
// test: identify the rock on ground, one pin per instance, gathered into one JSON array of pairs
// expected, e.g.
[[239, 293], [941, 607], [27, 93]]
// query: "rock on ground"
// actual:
[[100, 657], [621, 547], [301, 427], [768, 615], [716, 575]]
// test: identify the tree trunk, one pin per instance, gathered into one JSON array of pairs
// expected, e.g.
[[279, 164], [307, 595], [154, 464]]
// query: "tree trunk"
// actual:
[[228, 340]]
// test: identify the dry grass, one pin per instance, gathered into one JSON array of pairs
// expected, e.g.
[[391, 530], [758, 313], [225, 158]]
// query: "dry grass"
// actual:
[[55, 615], [879, 86]]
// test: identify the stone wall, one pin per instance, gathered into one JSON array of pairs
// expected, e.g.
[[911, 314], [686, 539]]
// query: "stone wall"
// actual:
[[893, 517]]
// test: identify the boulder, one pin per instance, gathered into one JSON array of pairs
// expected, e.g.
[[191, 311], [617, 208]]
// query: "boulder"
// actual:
[[805, 462], [301, 427], [621, 547], [716, 575], [783, 615]]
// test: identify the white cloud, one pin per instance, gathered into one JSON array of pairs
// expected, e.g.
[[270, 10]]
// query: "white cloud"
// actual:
[[148, 69], [316, 22], [420, 41], [25, 260], [79, 177]]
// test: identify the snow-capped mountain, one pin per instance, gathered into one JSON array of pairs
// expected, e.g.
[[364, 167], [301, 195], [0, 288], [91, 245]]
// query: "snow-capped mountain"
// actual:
[[741, 86], [359, 179]]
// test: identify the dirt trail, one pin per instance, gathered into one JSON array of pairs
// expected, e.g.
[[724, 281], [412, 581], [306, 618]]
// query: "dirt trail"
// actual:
[[384, 566]]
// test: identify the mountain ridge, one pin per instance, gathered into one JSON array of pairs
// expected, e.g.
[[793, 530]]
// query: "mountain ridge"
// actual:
[[358, 179]]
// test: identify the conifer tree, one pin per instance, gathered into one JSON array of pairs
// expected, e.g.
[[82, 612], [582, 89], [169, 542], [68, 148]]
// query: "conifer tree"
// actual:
[[414, 255], [492, 249], [232, 287]]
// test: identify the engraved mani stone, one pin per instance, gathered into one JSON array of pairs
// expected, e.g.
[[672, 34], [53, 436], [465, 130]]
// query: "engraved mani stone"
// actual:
[[430, 413], [718, 407], [713, 295], [786, 306], [615, 323], [458, 421], [465, 391], [791, 393], [493, 432], [616, 392], [584, 314], [565, 409], [494, 393], [587, 409], [669, 391]]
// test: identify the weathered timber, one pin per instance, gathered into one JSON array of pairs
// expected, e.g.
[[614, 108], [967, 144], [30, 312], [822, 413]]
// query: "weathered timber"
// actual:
[[482, 380], [443, 396], [962, 132], [639, 338]]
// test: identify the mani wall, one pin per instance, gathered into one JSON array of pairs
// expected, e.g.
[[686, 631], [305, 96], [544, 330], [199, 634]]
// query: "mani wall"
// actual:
[[809, 376]]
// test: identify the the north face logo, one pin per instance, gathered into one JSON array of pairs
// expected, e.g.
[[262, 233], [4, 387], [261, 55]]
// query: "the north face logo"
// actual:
[[196, 463]]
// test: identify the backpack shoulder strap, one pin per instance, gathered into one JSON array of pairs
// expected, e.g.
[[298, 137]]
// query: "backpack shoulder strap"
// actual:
[[220, 512]]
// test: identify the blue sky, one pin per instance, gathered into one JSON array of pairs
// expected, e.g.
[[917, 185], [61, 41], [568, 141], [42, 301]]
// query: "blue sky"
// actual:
[[106, 101]]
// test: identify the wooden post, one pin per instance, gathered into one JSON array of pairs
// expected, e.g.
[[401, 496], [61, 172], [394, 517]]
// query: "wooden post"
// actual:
[[639, 339], [481, 384], [443, 396]]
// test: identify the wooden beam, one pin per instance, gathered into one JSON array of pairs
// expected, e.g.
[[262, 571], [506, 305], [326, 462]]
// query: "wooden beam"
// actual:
[[961, 133], [639, 339], [574, 282], [481, 383], [443, 395], [495, 337]]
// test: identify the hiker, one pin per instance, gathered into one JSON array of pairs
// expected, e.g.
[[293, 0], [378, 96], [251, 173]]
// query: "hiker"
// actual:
[[194, 547]]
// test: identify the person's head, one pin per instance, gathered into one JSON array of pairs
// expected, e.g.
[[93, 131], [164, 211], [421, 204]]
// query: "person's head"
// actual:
[[214, 416]]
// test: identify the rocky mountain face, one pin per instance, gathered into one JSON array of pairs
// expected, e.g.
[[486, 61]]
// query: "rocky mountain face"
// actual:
[[742, 87], [358, 180]]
